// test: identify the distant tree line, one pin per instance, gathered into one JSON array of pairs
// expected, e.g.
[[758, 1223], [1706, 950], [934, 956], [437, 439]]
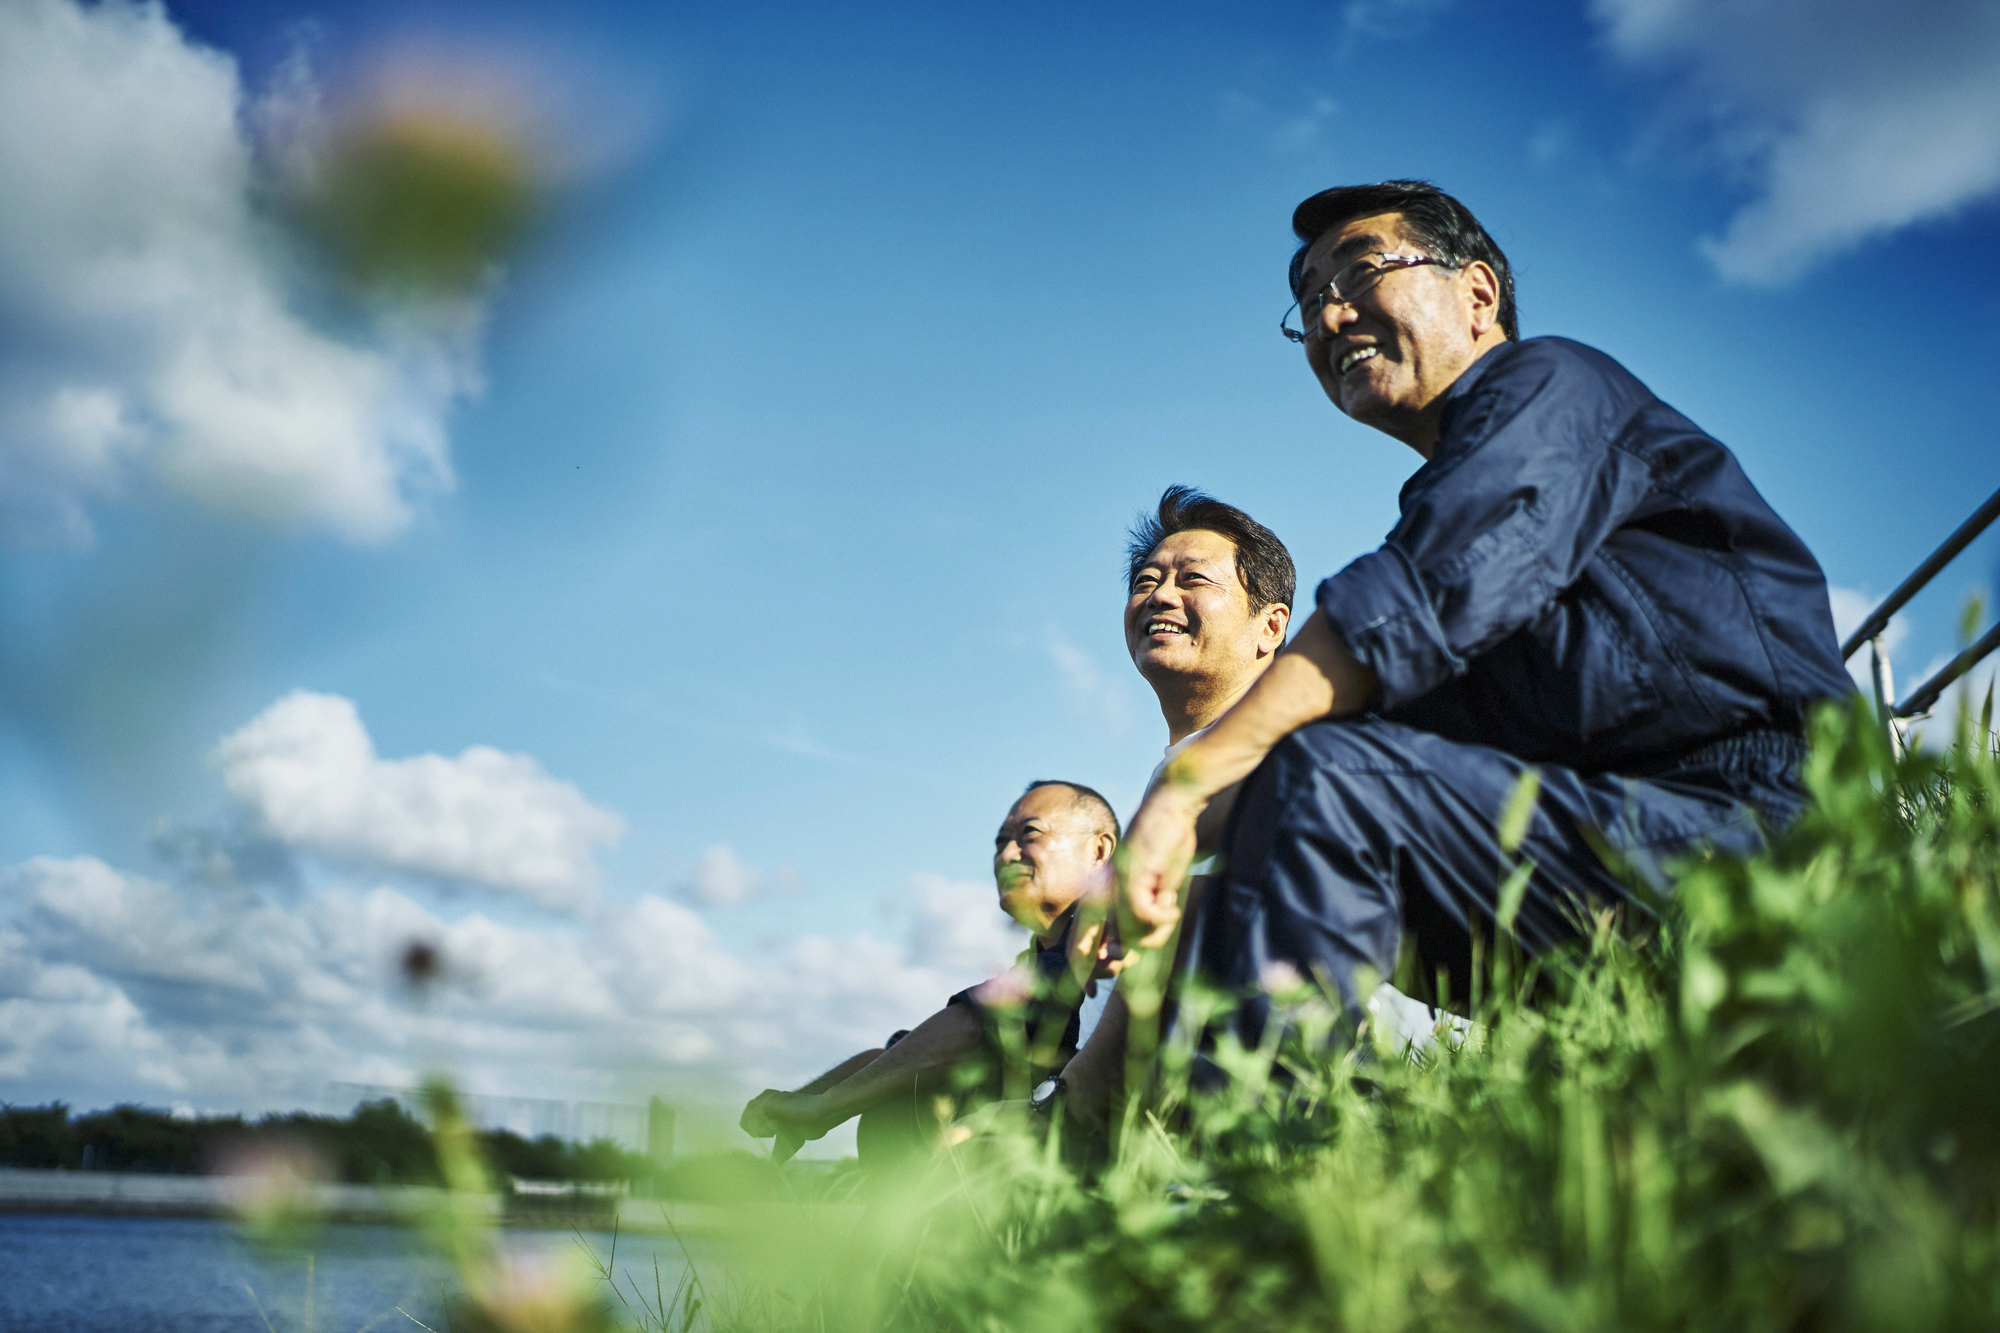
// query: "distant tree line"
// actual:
[[380, 1144]]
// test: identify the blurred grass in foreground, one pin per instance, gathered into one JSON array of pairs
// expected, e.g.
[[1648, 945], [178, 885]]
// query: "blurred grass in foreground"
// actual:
[[1782, 1113]]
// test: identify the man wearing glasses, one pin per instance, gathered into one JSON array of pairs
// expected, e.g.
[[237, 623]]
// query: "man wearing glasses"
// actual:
[[1581, 583]]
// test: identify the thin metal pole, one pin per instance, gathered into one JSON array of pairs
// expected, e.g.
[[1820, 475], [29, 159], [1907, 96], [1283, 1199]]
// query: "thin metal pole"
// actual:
[[1878, 619], [1885, 692], [1927, 693]]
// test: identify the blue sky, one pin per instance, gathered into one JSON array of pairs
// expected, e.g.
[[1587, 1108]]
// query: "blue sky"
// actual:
[[789, 464]]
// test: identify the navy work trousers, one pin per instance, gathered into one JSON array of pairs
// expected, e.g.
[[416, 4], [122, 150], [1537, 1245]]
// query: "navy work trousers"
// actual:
[[1355, 831]]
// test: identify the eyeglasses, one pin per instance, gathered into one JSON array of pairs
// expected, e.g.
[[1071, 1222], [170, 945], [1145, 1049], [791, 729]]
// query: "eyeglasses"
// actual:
[[1347, 286]]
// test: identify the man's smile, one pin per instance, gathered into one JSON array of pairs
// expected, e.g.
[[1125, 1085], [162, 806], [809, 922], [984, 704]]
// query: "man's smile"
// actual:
[[1158, 625], [1354, 356]]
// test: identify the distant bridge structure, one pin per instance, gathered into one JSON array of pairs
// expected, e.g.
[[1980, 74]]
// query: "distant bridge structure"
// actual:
[[639, 1129]]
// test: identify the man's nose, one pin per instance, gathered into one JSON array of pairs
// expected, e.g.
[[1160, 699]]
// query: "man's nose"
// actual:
[[1335, 316]]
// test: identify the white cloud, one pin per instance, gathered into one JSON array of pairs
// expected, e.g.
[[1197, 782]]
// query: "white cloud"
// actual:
[[114, 986], [719, 879], [1302, 132], [307, 774], [1091, 692], [1287, 130], [243, 984], [1854, 119], [1387, 18], [152, 315], [1939, 728], [959, 927], [57, 1020]]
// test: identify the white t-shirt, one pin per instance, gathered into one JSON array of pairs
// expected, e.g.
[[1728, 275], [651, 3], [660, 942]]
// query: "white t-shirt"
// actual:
[[1092, 1009], [1213, 863]]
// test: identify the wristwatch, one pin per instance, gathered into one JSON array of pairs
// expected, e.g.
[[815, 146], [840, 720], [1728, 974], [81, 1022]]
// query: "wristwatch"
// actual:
[[1043, 1099]]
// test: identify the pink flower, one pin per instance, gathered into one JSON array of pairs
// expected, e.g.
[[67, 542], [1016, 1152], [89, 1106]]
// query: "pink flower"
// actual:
[[1013, 987]]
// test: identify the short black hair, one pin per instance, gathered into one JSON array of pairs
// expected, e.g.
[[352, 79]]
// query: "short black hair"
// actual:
[[1263, 565], [1444, 227], [1085, 796]]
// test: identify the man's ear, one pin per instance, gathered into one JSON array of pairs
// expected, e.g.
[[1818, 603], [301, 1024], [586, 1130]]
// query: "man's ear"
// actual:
[[1271, 635], [1104, 846], [1481, 286]]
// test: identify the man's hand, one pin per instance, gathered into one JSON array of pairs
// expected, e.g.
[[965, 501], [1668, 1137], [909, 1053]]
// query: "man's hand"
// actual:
[[1314, 677], [1159, 846], [1094, 949], [790, 1116]]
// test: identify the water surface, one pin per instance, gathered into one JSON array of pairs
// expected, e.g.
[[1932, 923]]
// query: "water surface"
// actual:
[[191, 1275]]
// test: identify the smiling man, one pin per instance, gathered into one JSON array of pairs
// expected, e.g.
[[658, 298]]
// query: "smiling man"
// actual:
[[1208, 598], [1582, 583], [1054, 846]]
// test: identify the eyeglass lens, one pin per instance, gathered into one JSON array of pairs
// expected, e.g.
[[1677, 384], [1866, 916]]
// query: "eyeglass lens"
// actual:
[[1351, 282]]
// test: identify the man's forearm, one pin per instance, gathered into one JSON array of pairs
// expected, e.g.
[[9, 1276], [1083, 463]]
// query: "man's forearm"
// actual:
[[1316, 676], [843, 1071], [921, 1060]]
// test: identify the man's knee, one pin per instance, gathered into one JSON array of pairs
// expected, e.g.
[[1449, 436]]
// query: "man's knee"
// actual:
[[1362, 746], [1328, 780], [894, 1132]]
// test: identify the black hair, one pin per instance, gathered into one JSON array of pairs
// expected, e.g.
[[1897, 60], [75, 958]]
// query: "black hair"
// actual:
[[1433, 219], [1263, 565], [1084, 796]]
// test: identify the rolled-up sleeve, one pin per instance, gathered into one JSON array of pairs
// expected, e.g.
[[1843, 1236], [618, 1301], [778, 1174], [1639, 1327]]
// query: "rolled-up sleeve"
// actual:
[[1528, 481]]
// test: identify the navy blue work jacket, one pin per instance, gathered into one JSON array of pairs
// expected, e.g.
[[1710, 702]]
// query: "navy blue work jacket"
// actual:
[[1582, 577]]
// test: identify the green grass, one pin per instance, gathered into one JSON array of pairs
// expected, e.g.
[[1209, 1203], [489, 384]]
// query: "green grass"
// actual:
[[1783, 1112]]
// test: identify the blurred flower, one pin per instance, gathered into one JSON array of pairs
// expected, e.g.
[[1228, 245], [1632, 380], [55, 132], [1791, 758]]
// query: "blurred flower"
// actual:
[[268, 1182], [426, 171], [534, 1291], [1013, 987], [1280, 978], [420, 204], [421, 964]]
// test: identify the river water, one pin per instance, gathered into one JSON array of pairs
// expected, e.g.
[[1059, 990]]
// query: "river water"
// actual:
[[75, 1274]]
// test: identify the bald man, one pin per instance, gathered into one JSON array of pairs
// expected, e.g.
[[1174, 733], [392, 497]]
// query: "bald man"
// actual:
[[1054, 847]]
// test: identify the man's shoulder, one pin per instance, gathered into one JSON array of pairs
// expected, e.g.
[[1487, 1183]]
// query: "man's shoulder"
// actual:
[[1536, 377], [1534, 358]]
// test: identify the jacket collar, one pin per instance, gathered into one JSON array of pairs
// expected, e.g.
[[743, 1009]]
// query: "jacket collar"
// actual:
[[1455, 398]]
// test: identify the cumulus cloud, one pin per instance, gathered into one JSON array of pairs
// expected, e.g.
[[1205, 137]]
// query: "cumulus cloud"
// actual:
[[240, 982], [115, 986], [959, 927], [154, 318], [1852, 119], [719, 879], [307, 775]]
